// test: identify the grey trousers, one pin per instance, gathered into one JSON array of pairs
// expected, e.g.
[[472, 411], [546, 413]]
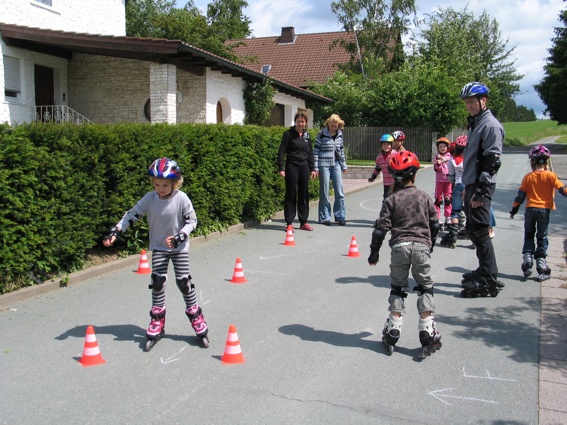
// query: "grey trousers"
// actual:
[[414, 256]]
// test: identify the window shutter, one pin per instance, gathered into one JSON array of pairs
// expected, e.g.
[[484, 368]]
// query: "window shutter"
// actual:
[[12, 73]]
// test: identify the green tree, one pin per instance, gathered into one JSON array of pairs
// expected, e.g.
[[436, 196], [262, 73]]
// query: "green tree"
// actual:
[[553, 86], [378, 26], [160, 19], [470, 49], [258, 101], [225, 17]]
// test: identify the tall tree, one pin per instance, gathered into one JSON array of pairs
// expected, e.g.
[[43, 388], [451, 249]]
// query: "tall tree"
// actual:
[[160, 19], [378, 26], [472, 50], [227, 19], [553, 87]]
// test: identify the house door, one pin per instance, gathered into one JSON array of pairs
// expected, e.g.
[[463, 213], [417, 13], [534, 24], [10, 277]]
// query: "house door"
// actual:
[[44, 92]]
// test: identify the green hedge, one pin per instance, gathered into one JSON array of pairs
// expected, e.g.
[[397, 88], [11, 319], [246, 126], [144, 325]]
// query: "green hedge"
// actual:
[[64, 187]]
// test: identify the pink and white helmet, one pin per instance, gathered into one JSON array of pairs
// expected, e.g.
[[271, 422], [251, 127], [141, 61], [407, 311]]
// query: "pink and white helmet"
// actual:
[[398, 135], [165, 168], [539, 151], [461, 141]]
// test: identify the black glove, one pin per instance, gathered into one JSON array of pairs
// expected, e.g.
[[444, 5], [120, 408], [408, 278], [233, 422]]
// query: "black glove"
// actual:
[[479, 193], [178, 239], [114, 232], [514, 211], [371, 178]]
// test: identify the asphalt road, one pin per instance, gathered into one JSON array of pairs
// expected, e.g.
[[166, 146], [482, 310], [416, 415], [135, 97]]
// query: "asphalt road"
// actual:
[[309, 322]]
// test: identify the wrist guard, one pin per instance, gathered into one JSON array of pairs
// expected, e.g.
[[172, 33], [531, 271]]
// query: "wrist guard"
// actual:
[[378, 236], [114, 232], [514, 211], [480, 192], [179, 239], [371, 178]]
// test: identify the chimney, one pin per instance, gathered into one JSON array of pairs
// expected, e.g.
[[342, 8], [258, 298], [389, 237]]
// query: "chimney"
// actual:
[[288, 35]]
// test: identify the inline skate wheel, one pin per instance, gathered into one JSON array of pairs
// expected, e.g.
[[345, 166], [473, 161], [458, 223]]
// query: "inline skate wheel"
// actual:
[[389, 347], [149, 344], [205, 342]]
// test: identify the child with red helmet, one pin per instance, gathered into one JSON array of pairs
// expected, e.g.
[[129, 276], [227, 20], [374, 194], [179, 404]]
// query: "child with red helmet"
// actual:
[[538, 188], [410, 215], [443, 187], [171, 219]]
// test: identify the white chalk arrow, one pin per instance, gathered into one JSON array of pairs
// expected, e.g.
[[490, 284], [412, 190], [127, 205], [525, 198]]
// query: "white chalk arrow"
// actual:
[[440, 397], [171, 358]]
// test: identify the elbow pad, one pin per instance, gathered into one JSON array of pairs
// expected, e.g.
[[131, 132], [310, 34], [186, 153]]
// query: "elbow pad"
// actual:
[[491, 164], [521, 197]]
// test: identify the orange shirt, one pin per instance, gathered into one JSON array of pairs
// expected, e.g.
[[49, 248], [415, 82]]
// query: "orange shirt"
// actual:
[[540, 189]]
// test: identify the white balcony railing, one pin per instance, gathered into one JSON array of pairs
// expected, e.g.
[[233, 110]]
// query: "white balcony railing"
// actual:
[[59, 114]]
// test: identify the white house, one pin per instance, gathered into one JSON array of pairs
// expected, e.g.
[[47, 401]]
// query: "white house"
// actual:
[[71, 60]]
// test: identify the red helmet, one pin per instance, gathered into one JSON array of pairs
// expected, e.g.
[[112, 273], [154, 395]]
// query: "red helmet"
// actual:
[[443, 140], [403, 165], [165, 168], [461, 141], [398, 135]]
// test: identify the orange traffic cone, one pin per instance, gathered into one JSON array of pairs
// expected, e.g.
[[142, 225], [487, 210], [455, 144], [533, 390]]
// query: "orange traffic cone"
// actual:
[[289, 241], [232, 352], [91, 352], [238, 274], [353, 250], [144, 265]]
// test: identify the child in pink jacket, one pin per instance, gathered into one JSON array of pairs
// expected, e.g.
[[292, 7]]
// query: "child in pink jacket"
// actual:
[[443, 187]]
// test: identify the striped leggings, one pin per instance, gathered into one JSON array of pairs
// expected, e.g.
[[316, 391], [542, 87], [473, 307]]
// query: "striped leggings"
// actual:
[[160, 263]]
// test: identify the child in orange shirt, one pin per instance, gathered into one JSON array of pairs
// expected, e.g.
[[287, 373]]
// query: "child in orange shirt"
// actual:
[[538, 187]]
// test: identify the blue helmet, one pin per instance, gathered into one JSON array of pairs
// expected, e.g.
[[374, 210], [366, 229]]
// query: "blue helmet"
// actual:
[[386, 138], [165, 168], [474, 89]]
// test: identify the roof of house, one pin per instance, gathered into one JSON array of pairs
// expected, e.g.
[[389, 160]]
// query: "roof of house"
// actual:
[[297, 59], [184, 56]]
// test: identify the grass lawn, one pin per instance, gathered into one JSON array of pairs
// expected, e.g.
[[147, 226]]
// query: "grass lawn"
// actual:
[[523, 133]]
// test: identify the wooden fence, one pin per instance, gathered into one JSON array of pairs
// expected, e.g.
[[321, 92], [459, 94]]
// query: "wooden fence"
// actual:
[[364, 142]]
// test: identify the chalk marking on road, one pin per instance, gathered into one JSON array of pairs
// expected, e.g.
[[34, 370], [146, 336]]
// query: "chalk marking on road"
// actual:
[[269, 257], [438, 397], [362, 205], [261, 271], [487, 377], [169, 359]]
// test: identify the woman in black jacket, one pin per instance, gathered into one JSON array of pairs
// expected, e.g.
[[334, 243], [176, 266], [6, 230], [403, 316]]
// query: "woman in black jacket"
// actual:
[[296, 165]]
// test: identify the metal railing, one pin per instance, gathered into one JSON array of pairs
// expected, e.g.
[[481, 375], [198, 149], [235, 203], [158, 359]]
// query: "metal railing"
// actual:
[[59, 114]]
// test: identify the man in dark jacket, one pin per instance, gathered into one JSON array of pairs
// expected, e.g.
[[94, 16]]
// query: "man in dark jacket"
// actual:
[[480, 167]]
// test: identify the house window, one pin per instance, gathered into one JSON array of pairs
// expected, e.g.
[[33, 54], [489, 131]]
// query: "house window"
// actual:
[[12, 80]]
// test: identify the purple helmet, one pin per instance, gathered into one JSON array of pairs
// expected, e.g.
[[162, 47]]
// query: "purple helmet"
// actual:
[[539, 152], [165, 168]]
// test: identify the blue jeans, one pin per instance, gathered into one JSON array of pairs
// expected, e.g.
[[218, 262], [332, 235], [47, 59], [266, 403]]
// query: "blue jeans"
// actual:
[[333, 173], [457, 202], [536, 219]]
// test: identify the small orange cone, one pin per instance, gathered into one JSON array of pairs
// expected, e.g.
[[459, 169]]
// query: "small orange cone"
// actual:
[[232, 352], [238, 274], [91, 352], [353, 250], [289, 241], [144, 265]]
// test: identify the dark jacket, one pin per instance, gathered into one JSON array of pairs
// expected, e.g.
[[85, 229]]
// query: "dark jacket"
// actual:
[[295, 149]]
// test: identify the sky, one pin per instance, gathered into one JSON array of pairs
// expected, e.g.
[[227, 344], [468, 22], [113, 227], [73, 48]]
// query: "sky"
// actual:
[[528, 25]]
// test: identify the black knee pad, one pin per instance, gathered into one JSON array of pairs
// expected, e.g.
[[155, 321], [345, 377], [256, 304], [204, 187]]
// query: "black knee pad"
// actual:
[[398, 292], [421, 290], [183, 284], [158, 281], [439, 201], [448, 200]]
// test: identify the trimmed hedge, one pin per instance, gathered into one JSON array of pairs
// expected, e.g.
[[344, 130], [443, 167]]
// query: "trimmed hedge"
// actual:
[[65, 186]]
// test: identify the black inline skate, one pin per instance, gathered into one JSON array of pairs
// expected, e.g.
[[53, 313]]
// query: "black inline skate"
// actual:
[[543, 271], [157, 326], [450, 239], [391, 332], [527, 264], [429, 337], [475, 285]]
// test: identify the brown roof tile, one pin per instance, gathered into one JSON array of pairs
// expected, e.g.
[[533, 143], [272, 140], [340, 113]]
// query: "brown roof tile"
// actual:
[[309, 58]]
